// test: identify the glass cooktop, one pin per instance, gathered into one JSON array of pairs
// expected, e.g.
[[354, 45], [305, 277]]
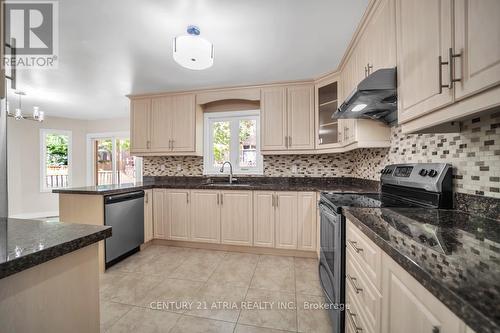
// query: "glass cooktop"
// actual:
[[365, 200]]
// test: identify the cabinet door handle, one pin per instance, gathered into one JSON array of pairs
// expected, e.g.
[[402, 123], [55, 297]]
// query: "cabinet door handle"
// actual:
[[272, 200], [289, 141], [221, 198], [217, 198], [435, 329], [353, 321], [187, 197], [451, 60], [172, 148], [277, 200], [146, 197], [286, 141], [441, 85], [353, 283], [366, 71], [353, 245], [369, 68], [148, 144]]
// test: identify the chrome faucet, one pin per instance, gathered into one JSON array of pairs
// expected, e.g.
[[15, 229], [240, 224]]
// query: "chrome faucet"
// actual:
[[230, 171]]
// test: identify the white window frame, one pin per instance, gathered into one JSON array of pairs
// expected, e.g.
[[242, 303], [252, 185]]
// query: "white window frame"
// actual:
[[234, 116], [90, 156], [43, 156]]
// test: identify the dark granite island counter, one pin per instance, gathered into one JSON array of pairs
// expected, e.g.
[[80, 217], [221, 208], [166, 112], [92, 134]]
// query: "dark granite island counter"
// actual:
[[49, 276], [454, 255]]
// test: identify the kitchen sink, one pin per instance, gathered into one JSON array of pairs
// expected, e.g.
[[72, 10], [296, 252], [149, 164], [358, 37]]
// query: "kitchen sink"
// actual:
[[228, 185]]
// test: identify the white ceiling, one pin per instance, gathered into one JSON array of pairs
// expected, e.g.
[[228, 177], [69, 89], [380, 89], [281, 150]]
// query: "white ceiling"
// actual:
[[116, 47]]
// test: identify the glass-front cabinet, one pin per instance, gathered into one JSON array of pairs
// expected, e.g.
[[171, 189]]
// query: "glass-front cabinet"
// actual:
[[326, 104]]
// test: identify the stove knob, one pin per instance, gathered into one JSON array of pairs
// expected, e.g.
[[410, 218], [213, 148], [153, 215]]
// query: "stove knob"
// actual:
[[382, 171], [433, 173], [423, 173]]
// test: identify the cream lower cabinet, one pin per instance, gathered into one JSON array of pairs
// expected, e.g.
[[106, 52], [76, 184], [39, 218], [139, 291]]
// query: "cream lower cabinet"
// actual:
[[178, 214], [205, 216], [160, 212], [148, 215], [264, 218], [236, 217], [384, 297], [285, 220]]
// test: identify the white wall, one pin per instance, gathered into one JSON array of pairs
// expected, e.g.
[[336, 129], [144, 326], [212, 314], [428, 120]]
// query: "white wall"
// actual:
[[23, 144]]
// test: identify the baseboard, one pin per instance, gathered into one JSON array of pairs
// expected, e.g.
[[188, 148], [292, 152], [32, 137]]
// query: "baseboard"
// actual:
[[36, 215], [236, 248]]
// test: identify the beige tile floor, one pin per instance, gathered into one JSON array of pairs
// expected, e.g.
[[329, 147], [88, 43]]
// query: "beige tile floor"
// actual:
[[172, 289]]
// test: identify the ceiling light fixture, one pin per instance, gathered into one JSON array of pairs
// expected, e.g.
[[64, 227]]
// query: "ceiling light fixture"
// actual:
[[193, 52], [38, 115]]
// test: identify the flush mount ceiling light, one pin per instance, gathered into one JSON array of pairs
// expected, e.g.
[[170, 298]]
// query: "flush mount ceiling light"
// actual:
[[193, 52]]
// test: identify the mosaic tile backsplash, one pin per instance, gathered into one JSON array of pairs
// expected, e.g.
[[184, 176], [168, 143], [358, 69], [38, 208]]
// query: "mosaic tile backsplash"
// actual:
[[474, 154]]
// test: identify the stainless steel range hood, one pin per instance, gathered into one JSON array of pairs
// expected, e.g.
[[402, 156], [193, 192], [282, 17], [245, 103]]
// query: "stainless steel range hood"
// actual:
[[374, 98]]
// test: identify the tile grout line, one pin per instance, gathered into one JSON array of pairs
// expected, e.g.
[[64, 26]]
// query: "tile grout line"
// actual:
[[296, 300], [246, 294]]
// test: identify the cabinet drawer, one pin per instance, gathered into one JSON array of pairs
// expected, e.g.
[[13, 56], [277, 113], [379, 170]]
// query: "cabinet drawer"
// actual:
[[354, 323], [364, 293], [366, 253]]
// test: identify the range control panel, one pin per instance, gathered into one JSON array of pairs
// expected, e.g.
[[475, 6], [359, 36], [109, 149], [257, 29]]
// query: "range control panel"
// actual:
[[427, 176]]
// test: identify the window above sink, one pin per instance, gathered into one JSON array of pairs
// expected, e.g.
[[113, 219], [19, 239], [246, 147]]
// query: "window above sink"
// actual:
[[234, 137]]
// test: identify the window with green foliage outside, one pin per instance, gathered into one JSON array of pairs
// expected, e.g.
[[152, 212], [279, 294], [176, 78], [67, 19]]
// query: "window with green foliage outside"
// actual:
[[55, 159], [232, 137]]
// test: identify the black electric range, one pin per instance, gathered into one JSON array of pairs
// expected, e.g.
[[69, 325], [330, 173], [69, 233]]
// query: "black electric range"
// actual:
[[420, 185]]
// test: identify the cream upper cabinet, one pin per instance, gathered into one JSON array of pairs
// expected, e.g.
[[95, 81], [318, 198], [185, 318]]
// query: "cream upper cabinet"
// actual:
[[148, 215], [287, 118], [300, 105], [205, 216], [286, 220], [166, 125], [236, 217], [179, 214], [161, 228], [424, 36], [477, 40], [183, 123], [263, 218], [409, 307], [306, 221], [140, 122], [273, 118], [161, 123], [381, 37]]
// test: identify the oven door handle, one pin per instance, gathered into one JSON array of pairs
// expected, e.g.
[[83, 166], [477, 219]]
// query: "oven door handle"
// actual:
[[327, 211]]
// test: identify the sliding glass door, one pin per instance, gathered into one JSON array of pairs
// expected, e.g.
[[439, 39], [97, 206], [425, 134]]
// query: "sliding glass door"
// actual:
[[111, 160]]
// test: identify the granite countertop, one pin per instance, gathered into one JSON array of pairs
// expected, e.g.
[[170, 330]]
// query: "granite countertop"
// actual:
[[336, 184], [454, 255], [27, 243]]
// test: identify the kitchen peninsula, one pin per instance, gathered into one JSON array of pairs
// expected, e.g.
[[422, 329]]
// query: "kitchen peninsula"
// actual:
[[49, 274]]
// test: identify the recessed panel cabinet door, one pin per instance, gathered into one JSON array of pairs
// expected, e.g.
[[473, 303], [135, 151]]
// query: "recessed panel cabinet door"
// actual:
[[263, 219], [423, 34], [300, 104], [477, 38], [236, 217], [306, 215], [161, 123], [148, 215], [286, 220], [139, 124], [205, 216], [161, 228], [179, 214], [183, 123], [409, 307], [273, 118]]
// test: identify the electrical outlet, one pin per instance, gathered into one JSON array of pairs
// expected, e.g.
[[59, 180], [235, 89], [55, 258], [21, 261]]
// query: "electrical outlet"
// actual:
[[162, 167], [294, 168], [179, 167]]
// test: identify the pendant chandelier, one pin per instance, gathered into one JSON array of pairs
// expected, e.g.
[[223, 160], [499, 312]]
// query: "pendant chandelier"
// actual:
[[37, 114]]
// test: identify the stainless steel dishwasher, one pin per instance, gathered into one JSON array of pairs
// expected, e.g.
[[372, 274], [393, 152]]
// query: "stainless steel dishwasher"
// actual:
[[125, 214]]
